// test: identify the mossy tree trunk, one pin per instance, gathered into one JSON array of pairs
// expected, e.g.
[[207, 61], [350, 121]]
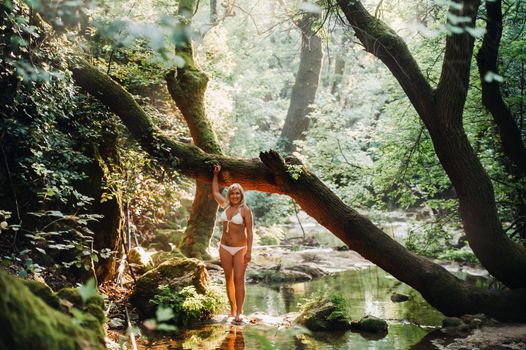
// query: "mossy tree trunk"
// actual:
[[108, 229], [305, 86], [441, 111], [271, 173], [187, 86]]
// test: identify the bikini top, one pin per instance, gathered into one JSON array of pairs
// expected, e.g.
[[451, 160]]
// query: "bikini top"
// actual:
[[236, 218]]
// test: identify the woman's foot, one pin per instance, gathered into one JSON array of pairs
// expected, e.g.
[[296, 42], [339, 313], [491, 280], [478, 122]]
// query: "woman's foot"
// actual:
[[232, 312]]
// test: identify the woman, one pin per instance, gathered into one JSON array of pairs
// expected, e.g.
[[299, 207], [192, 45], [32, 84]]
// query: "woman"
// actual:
[[235, 247]]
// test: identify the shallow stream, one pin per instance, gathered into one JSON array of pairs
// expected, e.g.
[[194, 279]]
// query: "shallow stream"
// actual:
[[367, 292]]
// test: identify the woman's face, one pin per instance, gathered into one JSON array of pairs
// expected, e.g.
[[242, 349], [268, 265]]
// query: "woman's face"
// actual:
[[235, 196]]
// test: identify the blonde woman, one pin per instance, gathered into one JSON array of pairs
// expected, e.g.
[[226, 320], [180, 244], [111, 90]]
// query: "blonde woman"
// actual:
[[235, 247]]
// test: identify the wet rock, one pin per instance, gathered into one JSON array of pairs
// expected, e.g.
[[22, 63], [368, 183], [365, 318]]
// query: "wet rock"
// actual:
[[310, 270], [370, 324], [398, 297], [28, 323], [271, 275], [452, 322], [323, 316], [177, 273]]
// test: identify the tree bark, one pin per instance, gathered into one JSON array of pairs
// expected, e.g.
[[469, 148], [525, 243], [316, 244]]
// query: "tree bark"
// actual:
[[187, 86], [271, 173], [305, 86], [487, 61], [441, 111]]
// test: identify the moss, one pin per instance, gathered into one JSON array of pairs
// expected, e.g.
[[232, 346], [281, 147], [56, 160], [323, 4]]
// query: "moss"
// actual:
[[72, 295], [179, 272], [27, 322], [324, 314], [44, 292], [160, 257], [94, 306]]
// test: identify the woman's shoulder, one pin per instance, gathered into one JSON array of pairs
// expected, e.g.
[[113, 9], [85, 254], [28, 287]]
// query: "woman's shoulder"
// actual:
[[245, 209]]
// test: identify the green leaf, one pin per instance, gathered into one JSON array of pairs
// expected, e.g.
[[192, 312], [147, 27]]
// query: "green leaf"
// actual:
[[164, 314], [88, 290]]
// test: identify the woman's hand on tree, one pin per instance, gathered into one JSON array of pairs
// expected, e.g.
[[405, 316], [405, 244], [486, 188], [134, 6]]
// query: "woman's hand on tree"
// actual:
[[217, 169]]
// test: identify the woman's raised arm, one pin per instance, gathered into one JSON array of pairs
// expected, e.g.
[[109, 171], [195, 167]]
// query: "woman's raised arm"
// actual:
[[215, 187]]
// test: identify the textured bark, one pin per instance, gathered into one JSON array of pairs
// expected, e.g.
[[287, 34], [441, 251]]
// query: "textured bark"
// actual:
[[271, 173], [487, 61], [441, 111], [187, 86], [305, 86]]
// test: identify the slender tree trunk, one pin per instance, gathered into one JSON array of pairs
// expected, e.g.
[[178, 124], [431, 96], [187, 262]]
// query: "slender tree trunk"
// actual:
[[440, 288], [441, 111], [487, 62], [305, 86], [213, 11], [187, 86]]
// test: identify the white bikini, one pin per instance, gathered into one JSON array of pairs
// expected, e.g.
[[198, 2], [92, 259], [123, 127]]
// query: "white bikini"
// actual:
[[236, 219]]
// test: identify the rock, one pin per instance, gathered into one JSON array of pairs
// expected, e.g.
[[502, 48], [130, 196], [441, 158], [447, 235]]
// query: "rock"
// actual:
[[271, 275], [28, 323], [323, 315], [177, 272], [162, 256], [116, 323], [93, 308], [452, 322], [44, 292], [310, 270], [398, 297], [370, 324], [140, 260]]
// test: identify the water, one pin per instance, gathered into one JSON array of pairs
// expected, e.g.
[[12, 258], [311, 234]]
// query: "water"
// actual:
[[367, 292]]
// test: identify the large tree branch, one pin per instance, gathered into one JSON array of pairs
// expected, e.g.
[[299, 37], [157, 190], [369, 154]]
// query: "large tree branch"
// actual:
[[272, 173], [487, 61], [452, 87]]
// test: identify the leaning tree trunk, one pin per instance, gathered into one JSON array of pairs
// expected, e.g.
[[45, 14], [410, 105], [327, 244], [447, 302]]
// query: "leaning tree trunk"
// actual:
[[441, 111], [440, 288], [487, 58], [187, 86], [305, 86]]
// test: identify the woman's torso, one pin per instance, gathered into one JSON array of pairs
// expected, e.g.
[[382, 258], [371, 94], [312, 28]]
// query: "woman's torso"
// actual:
[[234, 234]]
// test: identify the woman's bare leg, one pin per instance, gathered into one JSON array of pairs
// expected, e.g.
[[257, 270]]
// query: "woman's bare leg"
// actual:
[[239, 280], [227, 262]]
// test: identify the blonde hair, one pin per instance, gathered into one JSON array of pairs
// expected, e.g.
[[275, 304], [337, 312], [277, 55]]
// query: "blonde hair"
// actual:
[[236, 186]]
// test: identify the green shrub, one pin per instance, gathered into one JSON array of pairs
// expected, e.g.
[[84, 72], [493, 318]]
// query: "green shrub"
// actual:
[[271, 235], [188, 305]]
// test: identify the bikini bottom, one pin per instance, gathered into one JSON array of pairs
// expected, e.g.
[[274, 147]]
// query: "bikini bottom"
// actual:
[[231, 250]]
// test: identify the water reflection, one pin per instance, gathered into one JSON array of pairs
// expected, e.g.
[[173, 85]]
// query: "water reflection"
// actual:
[[234, 340]]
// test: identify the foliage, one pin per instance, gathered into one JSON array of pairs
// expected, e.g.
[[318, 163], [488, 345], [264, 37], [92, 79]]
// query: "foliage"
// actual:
[[270, 235], [461, 255], [430, 241], [188, 305]]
